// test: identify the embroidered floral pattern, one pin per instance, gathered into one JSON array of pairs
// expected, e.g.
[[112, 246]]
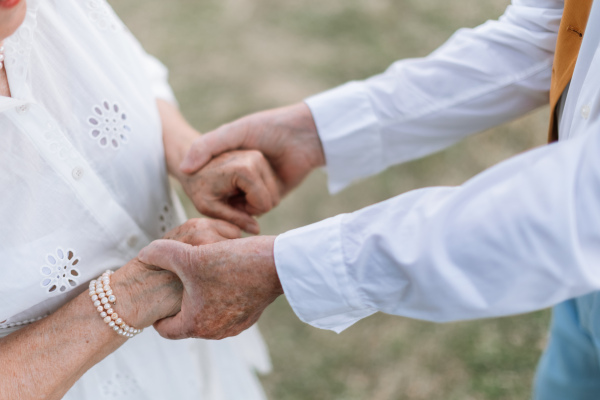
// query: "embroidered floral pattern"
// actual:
[[120, 385], [109, 125], [19, 45], [60, 272], [57, 144], [166, 220], [101, 16]]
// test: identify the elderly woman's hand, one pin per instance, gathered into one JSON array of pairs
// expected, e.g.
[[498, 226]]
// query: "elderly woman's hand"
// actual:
[[234, 187], [200, 231]]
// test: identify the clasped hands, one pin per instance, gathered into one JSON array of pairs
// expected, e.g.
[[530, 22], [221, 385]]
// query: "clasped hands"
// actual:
[[234, 173]]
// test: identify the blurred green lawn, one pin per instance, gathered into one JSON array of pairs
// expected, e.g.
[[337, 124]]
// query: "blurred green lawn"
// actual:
[[231, 57]]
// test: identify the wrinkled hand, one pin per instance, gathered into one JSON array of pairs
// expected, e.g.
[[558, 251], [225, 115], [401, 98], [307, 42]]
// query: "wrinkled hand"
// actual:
[[286, 136], [199, 231], [153, 293], [227, 285], [234, 187]]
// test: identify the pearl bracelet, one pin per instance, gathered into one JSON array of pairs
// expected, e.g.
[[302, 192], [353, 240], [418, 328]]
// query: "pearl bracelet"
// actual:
[[102, 295]]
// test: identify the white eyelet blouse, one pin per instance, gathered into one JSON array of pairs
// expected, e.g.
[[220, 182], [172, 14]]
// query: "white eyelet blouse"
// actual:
[[85, 187]]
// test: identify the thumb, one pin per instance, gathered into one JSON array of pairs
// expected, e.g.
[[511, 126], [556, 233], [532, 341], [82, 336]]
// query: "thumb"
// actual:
[[170, 255], [226, 138], [172, 327]]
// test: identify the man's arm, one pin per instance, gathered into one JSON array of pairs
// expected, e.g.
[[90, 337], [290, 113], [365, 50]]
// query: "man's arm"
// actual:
[[518, 237], [480, 78]]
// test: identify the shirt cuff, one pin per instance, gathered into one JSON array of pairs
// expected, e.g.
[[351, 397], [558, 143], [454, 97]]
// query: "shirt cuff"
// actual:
[[349, 130], [311, 268]]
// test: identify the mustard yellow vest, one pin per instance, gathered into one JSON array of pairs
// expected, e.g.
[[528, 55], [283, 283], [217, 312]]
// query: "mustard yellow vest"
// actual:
[[570, 35]]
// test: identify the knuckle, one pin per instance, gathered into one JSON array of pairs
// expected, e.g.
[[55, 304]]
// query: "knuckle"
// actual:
[[255, 155]]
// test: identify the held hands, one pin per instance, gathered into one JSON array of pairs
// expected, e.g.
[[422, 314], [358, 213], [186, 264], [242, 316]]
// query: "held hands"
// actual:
[[236, 185], [227, 285], [147, 293]]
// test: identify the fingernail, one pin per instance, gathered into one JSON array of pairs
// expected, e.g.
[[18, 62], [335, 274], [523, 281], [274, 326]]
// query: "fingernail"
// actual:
[[141, 254]]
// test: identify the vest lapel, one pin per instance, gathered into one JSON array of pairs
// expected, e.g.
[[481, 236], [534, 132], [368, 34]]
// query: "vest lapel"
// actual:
[[570, 35]]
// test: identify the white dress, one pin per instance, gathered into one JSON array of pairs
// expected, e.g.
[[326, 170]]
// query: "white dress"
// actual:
[[84, 188]]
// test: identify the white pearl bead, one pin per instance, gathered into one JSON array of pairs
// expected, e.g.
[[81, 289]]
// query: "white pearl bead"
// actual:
[[104, 300], [115, 316], [115, 328], [94, 297], [120, 331], [102, 295], [103, 314], [109, 292], [107, 320], [98, 291], [112, 298], [93, 282], [106, 288], [110, 311], [100, 308], [96, 303], [111, 323], [92, 293], [119, 321]]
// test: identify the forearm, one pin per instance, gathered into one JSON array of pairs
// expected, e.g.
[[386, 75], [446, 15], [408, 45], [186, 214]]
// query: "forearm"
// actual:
[[44, 359], [517, 238], [178, 136], [478, 79]]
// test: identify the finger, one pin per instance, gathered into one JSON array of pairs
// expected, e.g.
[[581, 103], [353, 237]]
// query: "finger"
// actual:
[[228, 213], [227, 230], [228, 137], [170, 255], [172, 327], [268, 176], [258, 198]]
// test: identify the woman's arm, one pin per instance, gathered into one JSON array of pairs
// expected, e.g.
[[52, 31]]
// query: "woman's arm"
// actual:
[[37, 365], [178, 136]]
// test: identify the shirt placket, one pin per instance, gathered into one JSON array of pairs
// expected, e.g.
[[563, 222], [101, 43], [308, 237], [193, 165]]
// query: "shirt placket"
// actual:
[[73, 168]]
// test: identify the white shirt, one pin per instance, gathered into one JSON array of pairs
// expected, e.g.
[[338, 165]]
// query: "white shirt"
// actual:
[[85, 187], [518, 237]]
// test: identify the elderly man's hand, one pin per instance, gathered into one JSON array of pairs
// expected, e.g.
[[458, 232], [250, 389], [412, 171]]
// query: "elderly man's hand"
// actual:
[[227, 285], [286, 136]]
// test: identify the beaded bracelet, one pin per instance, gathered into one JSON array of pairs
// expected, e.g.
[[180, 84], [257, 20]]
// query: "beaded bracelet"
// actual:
[[102, 295]]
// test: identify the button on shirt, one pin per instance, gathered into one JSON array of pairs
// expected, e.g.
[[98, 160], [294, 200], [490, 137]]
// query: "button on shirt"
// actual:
[[518, 237]]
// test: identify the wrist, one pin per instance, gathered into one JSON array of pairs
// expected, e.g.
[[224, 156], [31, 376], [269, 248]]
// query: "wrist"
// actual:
[[145, 295], [299, 122], [263, 248], [177, 152]]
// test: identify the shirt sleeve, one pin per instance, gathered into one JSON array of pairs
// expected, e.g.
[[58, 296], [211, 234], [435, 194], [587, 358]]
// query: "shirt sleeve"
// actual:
[[479, 78], [518, 237], [157, 73]]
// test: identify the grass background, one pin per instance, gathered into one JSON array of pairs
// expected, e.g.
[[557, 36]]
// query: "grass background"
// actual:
[[232, 57]]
